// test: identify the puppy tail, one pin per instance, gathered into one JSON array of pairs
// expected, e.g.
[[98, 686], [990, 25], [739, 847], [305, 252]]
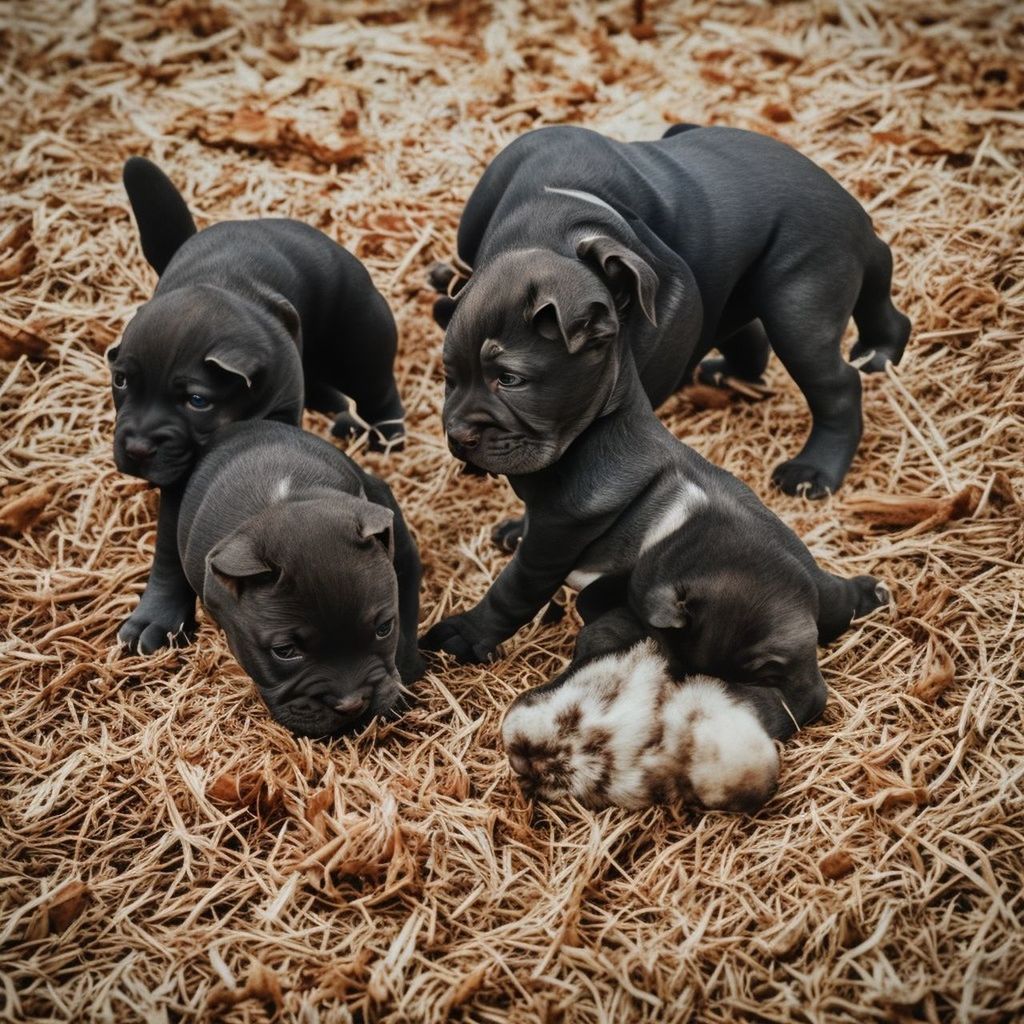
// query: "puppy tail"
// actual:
[[160, 211], [678, 129]]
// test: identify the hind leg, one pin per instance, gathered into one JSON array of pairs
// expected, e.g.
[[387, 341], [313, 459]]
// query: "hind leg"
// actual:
[[745, 355], [363, 369], [882, 330], [806, 325]]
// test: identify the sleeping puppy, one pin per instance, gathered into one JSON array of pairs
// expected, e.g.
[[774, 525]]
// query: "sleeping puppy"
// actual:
[[622, 488], [305, 562], [584, 249], [616, 729], [250, 320]]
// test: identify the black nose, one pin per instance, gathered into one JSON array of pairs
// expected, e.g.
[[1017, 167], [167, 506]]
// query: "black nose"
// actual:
[[139, 449], [465, 438]]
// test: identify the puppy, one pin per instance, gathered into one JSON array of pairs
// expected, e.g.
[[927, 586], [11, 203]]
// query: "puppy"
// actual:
[[305, 562], [250, 320], [615, 729], [624, 488], [585, 251]]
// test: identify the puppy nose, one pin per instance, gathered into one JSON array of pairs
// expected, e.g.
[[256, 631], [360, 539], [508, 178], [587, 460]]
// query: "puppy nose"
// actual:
[[463, 437], [353, 704], [139, 448]]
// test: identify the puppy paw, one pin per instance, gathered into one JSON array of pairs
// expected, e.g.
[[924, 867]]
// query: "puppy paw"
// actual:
[[439, 276], [346, 426], [870, 594], [507, 534], [456, 636], [386, 436], [156, 624], [804, 479]]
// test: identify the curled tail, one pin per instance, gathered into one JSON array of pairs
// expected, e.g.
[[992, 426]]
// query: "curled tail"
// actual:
[[160, 211]]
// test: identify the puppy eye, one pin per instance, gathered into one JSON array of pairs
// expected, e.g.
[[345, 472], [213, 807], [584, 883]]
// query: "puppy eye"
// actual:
[[385, 629], [509, 380], [199, 402], [286, 652], [120, 380]]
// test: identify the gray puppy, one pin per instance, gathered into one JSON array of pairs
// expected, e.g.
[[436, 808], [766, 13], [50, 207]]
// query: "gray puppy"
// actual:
[[250, 320], [627, 499], [584, 249], [305, 562]]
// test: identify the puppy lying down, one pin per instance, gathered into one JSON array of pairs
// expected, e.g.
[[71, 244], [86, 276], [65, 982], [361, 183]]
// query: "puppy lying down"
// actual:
[[618, 730]]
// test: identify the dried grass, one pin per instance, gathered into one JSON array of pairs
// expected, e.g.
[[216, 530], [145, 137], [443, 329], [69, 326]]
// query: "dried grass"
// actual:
[[169, 853]]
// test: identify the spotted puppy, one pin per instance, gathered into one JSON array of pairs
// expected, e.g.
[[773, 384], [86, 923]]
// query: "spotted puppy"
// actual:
[[615, 729], [249, 320]]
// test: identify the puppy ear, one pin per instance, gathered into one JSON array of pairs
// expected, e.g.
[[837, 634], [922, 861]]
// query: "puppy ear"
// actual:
[[160, 212], [665, 607], [444, 310], [286, 314], [376, 521], [234, 561], [596, 324], [234, 357], [246, 356], [626, 272]]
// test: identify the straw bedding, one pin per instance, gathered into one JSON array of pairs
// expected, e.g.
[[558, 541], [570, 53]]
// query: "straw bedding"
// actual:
[[169, 853]]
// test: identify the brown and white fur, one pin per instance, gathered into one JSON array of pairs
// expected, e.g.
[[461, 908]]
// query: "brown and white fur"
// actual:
[[618, 730]]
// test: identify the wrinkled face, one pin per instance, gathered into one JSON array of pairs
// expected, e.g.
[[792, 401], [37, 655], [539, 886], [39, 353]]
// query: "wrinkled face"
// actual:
[[185, 366], [736, 625], [309, 606], [529, 360]]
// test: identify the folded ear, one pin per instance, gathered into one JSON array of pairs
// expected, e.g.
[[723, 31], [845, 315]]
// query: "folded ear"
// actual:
[[628, 275], [376, 521], [555, 319], [160, 211], [247, 356], [235, 562], [664, 607]]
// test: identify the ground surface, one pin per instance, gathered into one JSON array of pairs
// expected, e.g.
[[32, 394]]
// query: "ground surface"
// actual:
[[169, 853]]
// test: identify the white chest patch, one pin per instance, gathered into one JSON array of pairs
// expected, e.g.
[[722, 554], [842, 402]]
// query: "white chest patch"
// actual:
[[282, 489], [687, 500]]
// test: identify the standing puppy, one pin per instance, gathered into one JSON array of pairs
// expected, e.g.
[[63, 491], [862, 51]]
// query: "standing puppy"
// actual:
[[707, 237], [250, 320], [305, 562]]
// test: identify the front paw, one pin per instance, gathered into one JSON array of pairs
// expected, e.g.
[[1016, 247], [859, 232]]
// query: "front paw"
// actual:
[[386, 436], [156, 623], [870, 595], [804, 479], [456, 635]]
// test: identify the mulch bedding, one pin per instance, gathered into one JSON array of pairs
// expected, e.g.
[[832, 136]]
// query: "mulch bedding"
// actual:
[[169, 853]]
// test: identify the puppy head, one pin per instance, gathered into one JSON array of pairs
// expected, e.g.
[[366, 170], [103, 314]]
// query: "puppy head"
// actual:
[[582, 734], [307, 596], [192, 360], [531, 351], [724, 608]]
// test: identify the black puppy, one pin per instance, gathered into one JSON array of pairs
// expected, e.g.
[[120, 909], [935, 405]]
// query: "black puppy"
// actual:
[[625, 493], [250, 320], [707, 237], [305, 562]]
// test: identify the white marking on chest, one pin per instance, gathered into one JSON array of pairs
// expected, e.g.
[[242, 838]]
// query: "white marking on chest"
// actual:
[[282, 489], [586, 197], [685, 502]]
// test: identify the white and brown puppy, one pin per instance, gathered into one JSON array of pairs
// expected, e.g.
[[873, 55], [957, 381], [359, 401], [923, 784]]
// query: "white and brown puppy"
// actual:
[[618, 730]]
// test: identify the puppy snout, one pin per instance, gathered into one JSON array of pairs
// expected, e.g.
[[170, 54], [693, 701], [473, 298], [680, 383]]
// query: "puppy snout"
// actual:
[[140, 449], [353, 704]]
